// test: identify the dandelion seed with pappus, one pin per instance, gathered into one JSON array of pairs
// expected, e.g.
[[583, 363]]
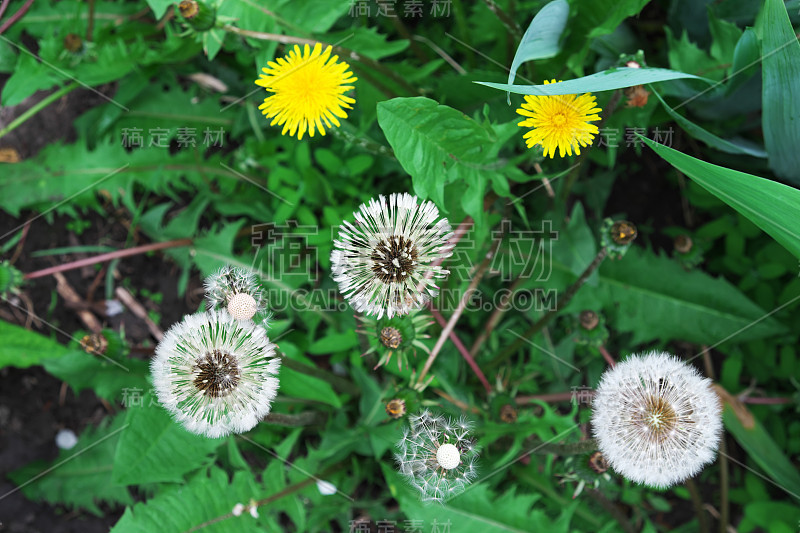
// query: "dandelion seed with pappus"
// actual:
[[656, 419], [437, 456], [382, 263], [238, 291], [216, 375]]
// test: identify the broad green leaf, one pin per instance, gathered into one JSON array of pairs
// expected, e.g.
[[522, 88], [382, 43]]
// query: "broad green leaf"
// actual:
[[607, 80], [478, 510], [436, 145], [159, 7], [653, 297], [730, 147], [108, 377], [297, 385], [752, 436], [771, 206], [81, 476], [206, 496], [155, 448], [29, 76], [541, 39], [780, 90], [334, 342], [746, 60], [23, 348]]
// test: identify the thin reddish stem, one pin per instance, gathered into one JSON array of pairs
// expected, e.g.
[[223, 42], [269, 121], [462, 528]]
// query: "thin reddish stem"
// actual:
[[463, 351], [607, 356], [765, 401], [108, 257], [16, 16], [555, 397]]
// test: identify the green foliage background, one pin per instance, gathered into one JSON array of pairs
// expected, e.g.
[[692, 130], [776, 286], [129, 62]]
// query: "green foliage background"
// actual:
[[422, 124]]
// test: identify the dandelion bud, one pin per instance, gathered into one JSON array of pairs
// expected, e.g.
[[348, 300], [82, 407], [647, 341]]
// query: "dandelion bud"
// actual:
[[589, 319], [683, 244], [73, 42], [200, 16], [399, 334], [396, 408], [508, 414], [598, 463], [617, 236], [656, 420]]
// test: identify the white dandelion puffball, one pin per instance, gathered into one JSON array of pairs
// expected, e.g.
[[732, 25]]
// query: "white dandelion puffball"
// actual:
[[382, 263], [656, 419], [237, 290], [216, 375], [436, 456]]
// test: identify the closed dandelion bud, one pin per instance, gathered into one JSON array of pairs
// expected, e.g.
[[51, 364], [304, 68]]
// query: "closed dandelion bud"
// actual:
[[73, 43], [437, 456], [397, 335], [591, 329], [383, 262], [216, 375], [656, 419], [637, 96], [95, 344], [237, 290], [617, 236], [508, 414], [396, 408], [598, 463], [686, 252], [106, 343], [200, 16]]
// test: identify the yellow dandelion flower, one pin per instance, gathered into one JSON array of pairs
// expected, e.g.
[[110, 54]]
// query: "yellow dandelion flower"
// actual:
[[308, 89], [562, 121]]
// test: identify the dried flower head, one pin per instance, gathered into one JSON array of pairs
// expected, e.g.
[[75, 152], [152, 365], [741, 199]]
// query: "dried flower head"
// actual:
[[598, 463], [396, 408], [397, 335], [637, 96], [588, 319], [656, 419], [382, 263], [237, 290], [216, 375], [437, 456], [95, 344]]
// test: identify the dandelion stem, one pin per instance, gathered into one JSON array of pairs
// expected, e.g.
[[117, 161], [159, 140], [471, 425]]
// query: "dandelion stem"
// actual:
[[607, 356], [339, 383], [108, 257], [462, 304], [494, 319], [550, 314], [463, 351], [306, 418], [49, 99], [697, 503], [541, 447], [510, 24], [554, 397]]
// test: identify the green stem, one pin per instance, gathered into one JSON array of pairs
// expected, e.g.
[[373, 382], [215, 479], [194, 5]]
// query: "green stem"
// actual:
[[306, 418], [337, 382], [562, 448], [549, 315], [49, 99]]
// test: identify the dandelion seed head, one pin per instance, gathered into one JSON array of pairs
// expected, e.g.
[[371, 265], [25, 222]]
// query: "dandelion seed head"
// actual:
[[238, 291], [656, 419], [382, 263], [216, 375], [434, 458]]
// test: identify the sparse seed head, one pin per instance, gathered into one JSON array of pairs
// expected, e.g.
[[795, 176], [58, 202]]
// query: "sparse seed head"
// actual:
[[448, 456], [242, 306], [437, 456], [391, 338], [237, 290]]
